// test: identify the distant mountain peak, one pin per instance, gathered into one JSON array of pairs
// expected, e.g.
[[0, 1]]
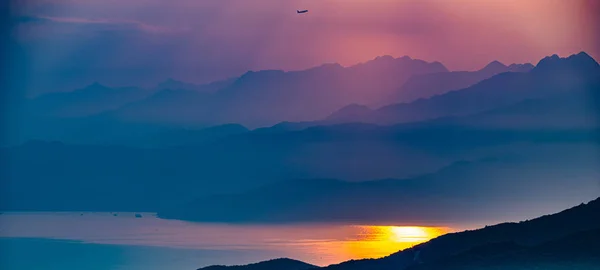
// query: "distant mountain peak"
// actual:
[[384, 57], [496, 63], [521, 67], [327, 66], [579, 61], [264, 71], [440, 66], [174, 84], [582, 54], [582, 57], [337, 65], [494, 67], [354, 107], [95, 86], [389, 58], [261, 75], [170, 80], [350, 111]]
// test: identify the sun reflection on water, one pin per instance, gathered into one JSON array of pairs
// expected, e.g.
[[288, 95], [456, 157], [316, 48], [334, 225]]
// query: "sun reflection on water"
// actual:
[[379, 241]]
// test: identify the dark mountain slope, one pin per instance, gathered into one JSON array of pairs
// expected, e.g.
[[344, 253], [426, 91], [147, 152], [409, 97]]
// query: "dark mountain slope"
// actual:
[[275, 264], [579, 250], [527, 233]]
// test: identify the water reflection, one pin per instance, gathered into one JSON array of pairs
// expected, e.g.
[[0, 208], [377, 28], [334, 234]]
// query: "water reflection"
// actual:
[[320, 244], [378, 241]]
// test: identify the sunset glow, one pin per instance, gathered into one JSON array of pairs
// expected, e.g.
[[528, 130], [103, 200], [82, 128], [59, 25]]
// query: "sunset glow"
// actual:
[[202, 41], [379, 241], [413, 234], [296, 134]]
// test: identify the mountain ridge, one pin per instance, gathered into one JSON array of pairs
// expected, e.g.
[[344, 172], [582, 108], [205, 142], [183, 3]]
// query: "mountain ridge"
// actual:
[[497, 91]]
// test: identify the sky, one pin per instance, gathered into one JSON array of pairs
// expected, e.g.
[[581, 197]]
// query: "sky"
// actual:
[[61, 45]]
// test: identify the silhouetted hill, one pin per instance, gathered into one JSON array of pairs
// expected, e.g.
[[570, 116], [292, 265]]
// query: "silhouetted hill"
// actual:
[[275, 264], [175, 107], [560, 111], [520, 67], [577, 64], [172, 84], [187, 137], [234, 163], [529, 233], [569, 239], [425, 199], [93, 99], [579, 250], [351, 111], [284, 127], [99, 114], [576, 74]]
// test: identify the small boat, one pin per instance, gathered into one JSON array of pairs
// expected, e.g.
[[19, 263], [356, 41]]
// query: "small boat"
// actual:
[[301, 11]]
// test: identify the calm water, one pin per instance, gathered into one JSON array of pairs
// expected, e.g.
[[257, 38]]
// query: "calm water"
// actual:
[[104, 241]]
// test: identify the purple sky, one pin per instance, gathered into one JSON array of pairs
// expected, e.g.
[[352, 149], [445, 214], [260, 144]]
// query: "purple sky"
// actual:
[[66, 44]]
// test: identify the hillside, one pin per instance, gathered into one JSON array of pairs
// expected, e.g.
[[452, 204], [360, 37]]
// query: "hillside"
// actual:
[[563, 240], [275, 264], [425, 199]]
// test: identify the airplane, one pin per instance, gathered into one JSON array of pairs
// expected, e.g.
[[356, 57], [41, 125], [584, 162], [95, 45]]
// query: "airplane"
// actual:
[[301, 11]]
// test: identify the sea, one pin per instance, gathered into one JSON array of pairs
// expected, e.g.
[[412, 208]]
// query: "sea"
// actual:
[[92, 240]]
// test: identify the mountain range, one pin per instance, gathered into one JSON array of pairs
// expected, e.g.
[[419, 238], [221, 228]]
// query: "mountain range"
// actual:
[[541, 116], [234, 161], [270, 96], [262, 98], [431, 84], [436, 198], [256, 99], [577, 75]]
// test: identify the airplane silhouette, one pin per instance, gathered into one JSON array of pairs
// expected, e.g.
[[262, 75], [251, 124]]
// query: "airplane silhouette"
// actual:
[[301, 11]]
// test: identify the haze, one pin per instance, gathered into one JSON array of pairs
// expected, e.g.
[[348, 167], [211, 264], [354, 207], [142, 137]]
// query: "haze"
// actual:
[[77, 42]]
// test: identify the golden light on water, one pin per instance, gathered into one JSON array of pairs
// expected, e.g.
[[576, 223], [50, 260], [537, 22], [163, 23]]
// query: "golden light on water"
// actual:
[[364, 242], [413, 234]]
